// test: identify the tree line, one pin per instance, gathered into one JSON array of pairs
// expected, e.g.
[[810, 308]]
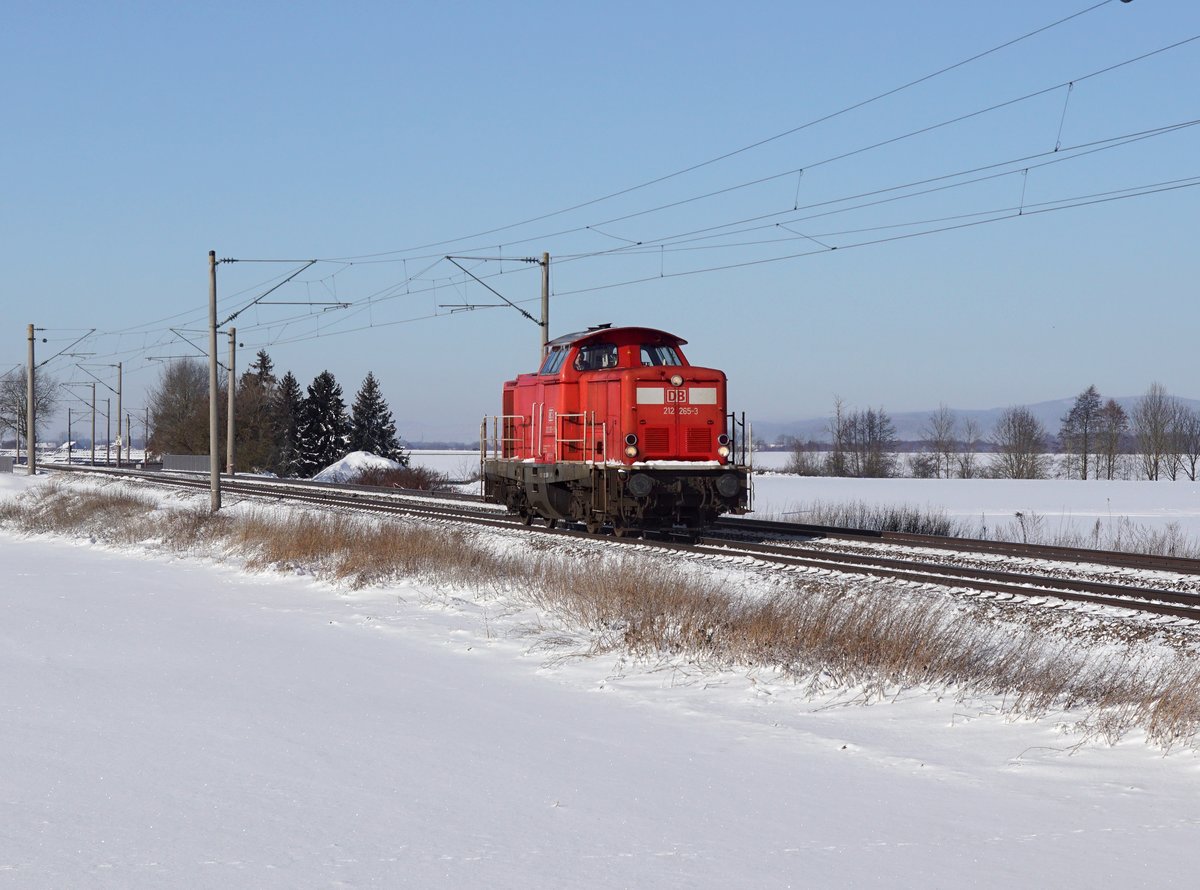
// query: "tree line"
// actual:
[[278, 428], [1097, 439]]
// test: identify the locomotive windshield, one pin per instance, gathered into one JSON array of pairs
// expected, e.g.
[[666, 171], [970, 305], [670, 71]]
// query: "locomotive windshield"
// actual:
[[660, 355], [553, 362], [596, 357]]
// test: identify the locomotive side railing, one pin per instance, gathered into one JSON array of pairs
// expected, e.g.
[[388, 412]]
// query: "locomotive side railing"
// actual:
[[586, 441], [741, 440], [505, 438]]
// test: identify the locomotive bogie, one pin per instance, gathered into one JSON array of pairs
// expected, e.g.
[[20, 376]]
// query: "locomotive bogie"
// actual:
[[623, 497]]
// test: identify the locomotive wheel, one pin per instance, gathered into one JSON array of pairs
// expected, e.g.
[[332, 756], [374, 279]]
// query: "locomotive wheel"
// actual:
[[592, 526], [527, 518], [551, 523]]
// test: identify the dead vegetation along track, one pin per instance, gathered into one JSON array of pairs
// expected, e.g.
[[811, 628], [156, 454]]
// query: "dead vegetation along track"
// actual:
[[827, 632], [1175, 604]]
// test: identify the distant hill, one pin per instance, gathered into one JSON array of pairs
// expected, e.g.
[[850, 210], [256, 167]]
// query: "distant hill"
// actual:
[[909, 424]]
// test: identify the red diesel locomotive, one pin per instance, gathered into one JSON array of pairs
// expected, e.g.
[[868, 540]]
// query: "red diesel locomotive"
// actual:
[[617, 428]]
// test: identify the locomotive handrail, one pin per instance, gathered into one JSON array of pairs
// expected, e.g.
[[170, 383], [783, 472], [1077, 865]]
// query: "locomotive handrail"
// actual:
[[496, 446], [588, 424]]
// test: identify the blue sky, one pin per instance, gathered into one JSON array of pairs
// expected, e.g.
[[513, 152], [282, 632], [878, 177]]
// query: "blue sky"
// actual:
[[380, 137]]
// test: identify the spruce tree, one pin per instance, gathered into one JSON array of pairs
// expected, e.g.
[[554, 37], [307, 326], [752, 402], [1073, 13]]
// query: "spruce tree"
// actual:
[[324, 432], [258, 444], [287, 410], [372, 428]]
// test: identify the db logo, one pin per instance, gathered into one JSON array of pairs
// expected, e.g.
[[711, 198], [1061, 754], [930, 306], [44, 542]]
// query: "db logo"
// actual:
[[677, 395]]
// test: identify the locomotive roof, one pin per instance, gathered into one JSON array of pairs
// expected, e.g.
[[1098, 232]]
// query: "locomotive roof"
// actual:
[[617, 335]]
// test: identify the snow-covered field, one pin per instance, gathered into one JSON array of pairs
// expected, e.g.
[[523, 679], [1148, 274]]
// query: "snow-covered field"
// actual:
[[171, 722]]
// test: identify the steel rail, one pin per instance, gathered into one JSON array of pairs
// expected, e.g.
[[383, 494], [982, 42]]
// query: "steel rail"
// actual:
[[1178, 564], [1183, 604]]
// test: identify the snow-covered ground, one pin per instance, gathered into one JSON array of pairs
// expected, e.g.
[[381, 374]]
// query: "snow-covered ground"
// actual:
[[172, 722]]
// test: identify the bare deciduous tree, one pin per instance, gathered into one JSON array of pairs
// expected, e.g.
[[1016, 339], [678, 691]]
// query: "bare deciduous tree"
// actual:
[[1078, 432], [939, 439], [1112, 428], [1187, 441], [1152, 420], [864, 443], [14, 402], [835, 463], [1020, 441], [179, 409], [805, 459], [966, 457], [871, 444]]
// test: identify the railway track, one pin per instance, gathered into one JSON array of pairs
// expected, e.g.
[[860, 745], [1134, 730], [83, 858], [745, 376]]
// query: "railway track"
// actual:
[[1168, 586]]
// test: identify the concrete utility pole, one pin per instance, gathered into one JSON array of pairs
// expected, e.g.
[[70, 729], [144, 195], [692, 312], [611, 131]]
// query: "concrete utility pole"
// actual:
[[68, 436], [30, 414], [119, 439], [93, 424], [232, 389], [107, 430], [545, 303], [214, 456], [129, 439]]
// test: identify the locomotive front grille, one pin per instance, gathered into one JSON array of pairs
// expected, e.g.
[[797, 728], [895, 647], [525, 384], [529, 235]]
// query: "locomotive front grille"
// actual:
[[699, 440], [657, 439]]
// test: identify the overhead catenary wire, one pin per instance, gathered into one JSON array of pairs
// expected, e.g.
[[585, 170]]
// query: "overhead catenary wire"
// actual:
[[809, 165], [655, 244], [66, 349], [542, 237], [659, 244], [751, 146], [1003, 215], [1065, 155], [841, 156]]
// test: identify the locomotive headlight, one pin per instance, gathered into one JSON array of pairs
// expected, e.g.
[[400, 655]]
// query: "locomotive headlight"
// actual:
[[631, 451], [676, 380], [723, 440], [723, 451]]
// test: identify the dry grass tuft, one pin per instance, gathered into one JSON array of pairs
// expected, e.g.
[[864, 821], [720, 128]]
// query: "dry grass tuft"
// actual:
[[412, 478], [361, 551]]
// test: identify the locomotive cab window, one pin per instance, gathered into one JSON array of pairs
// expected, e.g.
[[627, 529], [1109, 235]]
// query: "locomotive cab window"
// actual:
[[596, 357], [660, 355], [553, 362]]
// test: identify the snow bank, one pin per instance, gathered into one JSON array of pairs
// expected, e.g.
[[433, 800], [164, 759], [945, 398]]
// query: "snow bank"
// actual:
[[349, 467]]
